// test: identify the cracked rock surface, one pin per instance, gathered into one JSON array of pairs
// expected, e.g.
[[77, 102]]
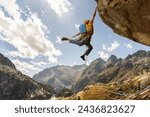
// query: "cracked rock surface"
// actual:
[[128, 18]]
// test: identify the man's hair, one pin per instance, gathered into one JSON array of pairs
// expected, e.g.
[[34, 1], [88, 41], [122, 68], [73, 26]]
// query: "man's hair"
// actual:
[[86, 21]]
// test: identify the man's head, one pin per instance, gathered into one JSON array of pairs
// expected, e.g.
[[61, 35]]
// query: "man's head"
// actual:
[[86, 21]]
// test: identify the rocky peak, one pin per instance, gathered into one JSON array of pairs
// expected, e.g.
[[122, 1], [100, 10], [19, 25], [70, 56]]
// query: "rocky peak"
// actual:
[[111, 61], [119, 62], [5, 61], [95, 66], [140, 53]]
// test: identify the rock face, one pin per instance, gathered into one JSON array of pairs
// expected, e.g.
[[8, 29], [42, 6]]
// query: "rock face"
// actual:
[[16, 86], [129, 18], [59, 76]]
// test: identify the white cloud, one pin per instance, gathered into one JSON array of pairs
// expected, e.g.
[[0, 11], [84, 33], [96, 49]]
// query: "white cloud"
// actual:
[[77, 26], [58, 40], [10, 6], [30, 68], [52, 60], [129, 45], [38, 63], [13, 54], [113, 46], [103, 55], [25, 67], [60, 6], [28, 37]]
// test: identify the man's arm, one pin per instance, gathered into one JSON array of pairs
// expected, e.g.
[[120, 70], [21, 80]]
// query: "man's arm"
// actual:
[[94, 14], [77, 34]]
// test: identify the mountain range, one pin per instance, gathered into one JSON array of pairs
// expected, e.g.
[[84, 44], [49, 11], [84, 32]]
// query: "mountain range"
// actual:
[[114, 69], [127, 78], [59, 76], [116, 78]]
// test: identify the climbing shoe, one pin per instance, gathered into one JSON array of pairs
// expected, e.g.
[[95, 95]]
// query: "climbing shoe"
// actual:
[[65, 39], [83, 57]]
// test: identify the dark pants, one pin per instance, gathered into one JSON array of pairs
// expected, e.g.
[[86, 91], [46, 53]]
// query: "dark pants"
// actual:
[[84, 41]]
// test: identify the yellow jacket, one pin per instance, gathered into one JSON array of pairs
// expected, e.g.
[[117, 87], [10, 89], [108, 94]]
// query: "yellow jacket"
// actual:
[[89, 27]]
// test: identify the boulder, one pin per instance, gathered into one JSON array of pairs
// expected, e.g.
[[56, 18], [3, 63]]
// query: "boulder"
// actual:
[[128, 18]]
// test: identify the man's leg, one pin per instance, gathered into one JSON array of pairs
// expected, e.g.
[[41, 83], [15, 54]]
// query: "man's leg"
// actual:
[[79, 43], [87, 52], [90, 47]]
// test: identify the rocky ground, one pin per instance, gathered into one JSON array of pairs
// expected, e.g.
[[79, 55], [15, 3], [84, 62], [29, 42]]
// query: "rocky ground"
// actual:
[[136, 88]]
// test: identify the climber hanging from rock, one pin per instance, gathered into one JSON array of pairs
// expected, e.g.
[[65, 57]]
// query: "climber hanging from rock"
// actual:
[[86, 31]]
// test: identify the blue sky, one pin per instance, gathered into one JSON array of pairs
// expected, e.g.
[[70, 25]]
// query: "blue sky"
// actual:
[[30, 33]]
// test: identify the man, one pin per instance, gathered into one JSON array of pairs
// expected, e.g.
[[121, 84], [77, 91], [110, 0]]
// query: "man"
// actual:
[[85, 38]]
